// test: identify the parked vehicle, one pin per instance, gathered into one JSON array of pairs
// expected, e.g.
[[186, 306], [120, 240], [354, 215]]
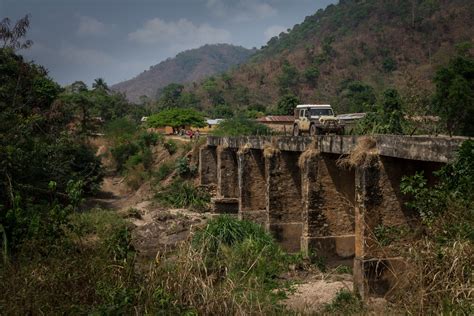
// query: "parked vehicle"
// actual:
[[316, 119]]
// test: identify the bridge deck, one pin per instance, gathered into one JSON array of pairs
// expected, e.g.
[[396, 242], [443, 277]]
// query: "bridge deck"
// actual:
[[425, 148]]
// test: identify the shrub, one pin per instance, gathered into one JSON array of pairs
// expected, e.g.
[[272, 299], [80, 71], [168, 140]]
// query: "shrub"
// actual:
[[345, 303], [240, 126], [183, 194], [184, 169], [120, 130], [147, 139], [171, 146], [121, 153], [164, 170]]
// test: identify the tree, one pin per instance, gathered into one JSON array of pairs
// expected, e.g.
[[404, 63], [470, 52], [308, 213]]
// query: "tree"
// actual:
[[388, 117], [454, 97], [311, 75], [177, 118], [287, 104], [11, 36], [289, 78], [356, 96], [169, 96], [241, 126], [99, 84]]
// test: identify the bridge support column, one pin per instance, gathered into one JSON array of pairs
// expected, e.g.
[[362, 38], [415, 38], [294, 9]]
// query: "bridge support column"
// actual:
[[328, 194], [208, 165], [379, 266], [227, 182], [284, 204], [252, 189]]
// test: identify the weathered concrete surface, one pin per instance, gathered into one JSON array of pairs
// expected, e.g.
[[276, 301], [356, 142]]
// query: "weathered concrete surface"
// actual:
[[380, 205], [227, 173], [208, 165], [284, 204], [328, 207], [225, 205], [426, 148], [252, 186]]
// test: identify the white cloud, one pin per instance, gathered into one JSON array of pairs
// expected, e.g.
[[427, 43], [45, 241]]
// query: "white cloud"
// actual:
[[90, 26], [178, 35], [241, 10], [273, 30], [85, 56]]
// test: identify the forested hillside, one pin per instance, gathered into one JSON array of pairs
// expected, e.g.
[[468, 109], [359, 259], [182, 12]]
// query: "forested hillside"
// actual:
[[347, 55], [188, 66]]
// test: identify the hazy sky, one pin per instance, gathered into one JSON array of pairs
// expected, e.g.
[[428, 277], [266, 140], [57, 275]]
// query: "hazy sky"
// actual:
[[118, 39]]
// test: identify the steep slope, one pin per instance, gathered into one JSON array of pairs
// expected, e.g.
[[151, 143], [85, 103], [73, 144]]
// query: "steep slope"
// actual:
[[188, 66], [348, 53]]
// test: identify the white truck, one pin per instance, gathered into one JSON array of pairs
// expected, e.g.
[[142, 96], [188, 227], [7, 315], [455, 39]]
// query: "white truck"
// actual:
[[316, 119]]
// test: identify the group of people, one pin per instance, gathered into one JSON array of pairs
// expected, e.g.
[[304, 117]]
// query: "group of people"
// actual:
[[190, 133]]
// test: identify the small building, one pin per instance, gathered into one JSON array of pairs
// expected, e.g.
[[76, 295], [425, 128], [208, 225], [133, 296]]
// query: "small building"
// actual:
[[211, 125], [278, 123]]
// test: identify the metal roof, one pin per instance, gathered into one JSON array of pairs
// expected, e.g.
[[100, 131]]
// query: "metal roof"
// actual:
[[276, 118], [313, 105]]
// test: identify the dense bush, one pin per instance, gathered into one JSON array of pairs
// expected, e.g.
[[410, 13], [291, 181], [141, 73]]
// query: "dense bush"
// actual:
[[45, 170], [240, 126], [441, 262], [183, 194], [388, 117]]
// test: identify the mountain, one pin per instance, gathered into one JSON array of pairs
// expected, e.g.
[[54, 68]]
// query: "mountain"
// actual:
[[347, 54], [188, 66]]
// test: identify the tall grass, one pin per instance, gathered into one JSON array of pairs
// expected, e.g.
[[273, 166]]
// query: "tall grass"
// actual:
[[183, 194]]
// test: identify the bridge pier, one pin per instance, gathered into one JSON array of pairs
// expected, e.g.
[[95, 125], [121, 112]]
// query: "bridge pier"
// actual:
[[208, 165], [252, 186], [379, 265], [328, 199], [284, 204]]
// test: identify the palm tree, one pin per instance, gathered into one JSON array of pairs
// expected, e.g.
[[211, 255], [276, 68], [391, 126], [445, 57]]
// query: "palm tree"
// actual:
[[99, 84]]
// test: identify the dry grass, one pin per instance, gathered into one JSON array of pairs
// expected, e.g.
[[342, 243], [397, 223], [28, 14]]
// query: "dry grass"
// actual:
[[311, 152], [438, 279], [362, 155], [244, 149], [270, 150]]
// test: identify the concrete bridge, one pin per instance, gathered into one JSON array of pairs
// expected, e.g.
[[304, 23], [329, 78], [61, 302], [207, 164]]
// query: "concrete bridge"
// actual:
[[326, 195]]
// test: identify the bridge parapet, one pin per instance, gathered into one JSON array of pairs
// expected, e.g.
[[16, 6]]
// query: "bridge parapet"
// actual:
[[424, 148]]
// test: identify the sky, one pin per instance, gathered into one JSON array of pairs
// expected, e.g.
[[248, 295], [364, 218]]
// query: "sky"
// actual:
[[118, 39]]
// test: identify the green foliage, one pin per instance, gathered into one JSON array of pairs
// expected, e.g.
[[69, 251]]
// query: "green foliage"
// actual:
[[288, 79], [311, 75], [240, 126], [164, 170], [184, 169], [177, 118], [388, 119], [356, 97], [385, 235], [121, 153], [287, 104], [243, 247], [389, 64], [120, 130], [169, 96], [345, 303], [454, 97], [171, 146], [222, 111], [453, 192], [183, 194], [44, 171]]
